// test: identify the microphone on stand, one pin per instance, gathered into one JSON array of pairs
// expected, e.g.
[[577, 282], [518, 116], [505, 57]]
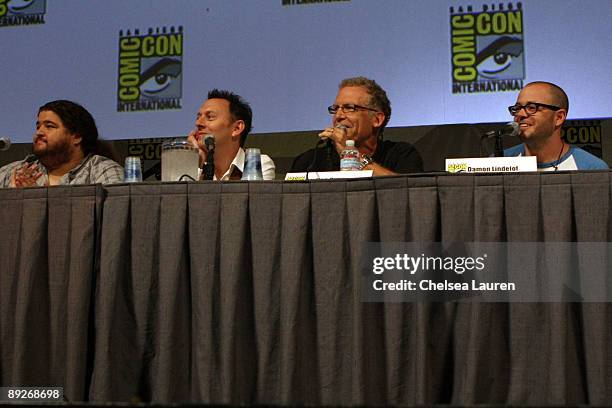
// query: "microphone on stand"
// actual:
[[5, 143], [509, 129], [209, 168], [209, 142]]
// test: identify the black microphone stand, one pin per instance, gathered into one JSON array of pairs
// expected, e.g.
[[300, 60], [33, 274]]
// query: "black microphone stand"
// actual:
[[497, 134], [209, 168], [329, 146], [499, 150]]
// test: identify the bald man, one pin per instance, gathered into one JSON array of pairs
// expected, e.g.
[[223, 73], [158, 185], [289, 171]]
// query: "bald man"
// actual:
[[540, 110]]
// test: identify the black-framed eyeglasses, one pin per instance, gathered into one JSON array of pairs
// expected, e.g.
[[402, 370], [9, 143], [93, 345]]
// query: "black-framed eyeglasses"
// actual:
[[531, 108], [348, 108]]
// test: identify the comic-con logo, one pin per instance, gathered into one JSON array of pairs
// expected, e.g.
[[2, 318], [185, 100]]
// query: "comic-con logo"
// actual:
[[457, 167], [150, 70], [22, 12], [585, 134], [487, 48]]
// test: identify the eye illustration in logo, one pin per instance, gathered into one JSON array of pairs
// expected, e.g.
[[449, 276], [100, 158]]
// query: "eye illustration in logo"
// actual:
[[18, 5], [161, 78], [26, 6], [501, 58]]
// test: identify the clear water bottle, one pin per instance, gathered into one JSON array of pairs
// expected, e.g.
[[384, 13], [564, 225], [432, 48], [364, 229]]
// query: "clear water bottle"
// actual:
[[349, 158]]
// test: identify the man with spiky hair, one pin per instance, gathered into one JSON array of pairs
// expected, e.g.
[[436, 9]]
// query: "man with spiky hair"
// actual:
[[64, 151], [228, 118], [540, 111], [360, 113]]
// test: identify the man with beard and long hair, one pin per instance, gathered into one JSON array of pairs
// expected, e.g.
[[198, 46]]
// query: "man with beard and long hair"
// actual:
[[64, 151]]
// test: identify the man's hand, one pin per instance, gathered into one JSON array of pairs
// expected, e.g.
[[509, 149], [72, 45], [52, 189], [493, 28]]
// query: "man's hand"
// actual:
[[26, 175], [338, 135], [198, 142]]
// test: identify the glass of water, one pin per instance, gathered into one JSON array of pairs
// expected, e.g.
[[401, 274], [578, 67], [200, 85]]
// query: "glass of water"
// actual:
[[252, 165], [132, 171]]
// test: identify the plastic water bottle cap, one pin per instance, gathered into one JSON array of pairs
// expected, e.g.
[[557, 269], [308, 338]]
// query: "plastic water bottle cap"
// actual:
[[350, 143]]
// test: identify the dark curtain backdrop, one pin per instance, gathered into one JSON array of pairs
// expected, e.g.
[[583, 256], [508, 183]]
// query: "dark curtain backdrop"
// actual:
[[250, 293]]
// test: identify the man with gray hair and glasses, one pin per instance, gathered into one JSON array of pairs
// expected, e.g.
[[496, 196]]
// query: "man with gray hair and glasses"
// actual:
[[540, 111], [360, 113]]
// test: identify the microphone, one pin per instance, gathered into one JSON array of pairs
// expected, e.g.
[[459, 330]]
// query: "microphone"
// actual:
[[209, 142], [5, 143], [509, 129], [325, 138], [330, 142], [329, 147], [209, 168]]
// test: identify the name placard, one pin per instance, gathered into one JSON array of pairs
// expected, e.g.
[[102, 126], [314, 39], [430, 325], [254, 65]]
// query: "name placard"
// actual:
[[326, 175], [492, 164]]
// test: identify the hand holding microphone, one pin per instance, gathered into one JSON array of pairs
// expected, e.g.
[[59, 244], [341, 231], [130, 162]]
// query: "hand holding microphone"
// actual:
[[333, 134], [336, 135]]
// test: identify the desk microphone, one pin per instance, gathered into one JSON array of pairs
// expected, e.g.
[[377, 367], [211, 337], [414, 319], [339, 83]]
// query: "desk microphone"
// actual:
[[209, 168], [209, 142], [509, 129], [5, 143]]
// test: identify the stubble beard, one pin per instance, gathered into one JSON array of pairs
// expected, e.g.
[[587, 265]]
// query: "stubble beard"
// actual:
[[537, 139]]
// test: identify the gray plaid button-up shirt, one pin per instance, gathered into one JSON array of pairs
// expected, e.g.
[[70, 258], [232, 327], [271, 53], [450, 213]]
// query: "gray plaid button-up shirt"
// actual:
[[93, 169]]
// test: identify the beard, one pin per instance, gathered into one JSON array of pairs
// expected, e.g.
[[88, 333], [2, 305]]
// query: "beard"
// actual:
[[538, 137], [53, 155]]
